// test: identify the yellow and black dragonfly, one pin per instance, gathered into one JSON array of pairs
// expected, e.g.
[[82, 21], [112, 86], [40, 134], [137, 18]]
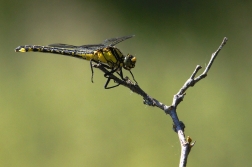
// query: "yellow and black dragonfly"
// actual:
[[105, 54]]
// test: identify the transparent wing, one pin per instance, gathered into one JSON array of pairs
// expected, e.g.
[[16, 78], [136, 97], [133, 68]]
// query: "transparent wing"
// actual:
[[94, 46], [61, 45], [114, 41], [91, 48]]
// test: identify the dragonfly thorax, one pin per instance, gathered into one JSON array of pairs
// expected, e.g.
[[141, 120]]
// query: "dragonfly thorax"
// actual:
[[129, 62]]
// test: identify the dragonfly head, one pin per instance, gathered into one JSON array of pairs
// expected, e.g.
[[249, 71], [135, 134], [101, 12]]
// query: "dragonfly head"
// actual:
[[129, 62]]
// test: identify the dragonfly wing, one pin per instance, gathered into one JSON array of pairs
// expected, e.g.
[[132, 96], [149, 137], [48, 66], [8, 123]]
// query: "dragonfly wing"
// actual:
[[114, 41], [84, 48], [90, 48], [94, 47], [60, 45], [106, 43]]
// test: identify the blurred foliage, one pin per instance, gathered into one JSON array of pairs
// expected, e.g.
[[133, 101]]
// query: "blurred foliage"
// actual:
[[52, 115]]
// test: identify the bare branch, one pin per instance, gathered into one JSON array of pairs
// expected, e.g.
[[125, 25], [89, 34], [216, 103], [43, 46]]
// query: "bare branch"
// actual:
[[191, 81], [178, 126], [214, 55]]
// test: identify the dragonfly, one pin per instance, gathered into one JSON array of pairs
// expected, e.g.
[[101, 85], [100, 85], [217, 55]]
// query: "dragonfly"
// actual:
[[105, 54]]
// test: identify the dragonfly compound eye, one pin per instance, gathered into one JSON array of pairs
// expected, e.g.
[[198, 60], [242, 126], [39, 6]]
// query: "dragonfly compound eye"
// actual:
[[129, 62]]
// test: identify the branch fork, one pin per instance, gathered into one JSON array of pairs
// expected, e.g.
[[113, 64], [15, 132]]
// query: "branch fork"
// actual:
[[178, 126]]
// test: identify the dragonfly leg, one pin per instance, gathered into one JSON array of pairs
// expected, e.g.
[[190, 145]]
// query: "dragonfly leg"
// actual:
[[106, 84], [121, 74], [92, 70], [132, 76], [106, 75]]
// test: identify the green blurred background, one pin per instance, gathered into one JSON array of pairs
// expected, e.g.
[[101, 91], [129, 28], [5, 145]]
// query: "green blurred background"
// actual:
[[52, 115]]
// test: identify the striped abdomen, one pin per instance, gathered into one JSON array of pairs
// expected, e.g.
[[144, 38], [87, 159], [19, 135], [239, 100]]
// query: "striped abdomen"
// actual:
[[55, 50]]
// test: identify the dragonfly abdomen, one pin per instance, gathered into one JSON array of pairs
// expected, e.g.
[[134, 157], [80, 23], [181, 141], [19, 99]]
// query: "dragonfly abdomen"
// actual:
[[55, 50]]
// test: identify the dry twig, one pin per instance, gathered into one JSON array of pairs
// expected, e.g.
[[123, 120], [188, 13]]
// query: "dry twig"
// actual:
[[178, 126]]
